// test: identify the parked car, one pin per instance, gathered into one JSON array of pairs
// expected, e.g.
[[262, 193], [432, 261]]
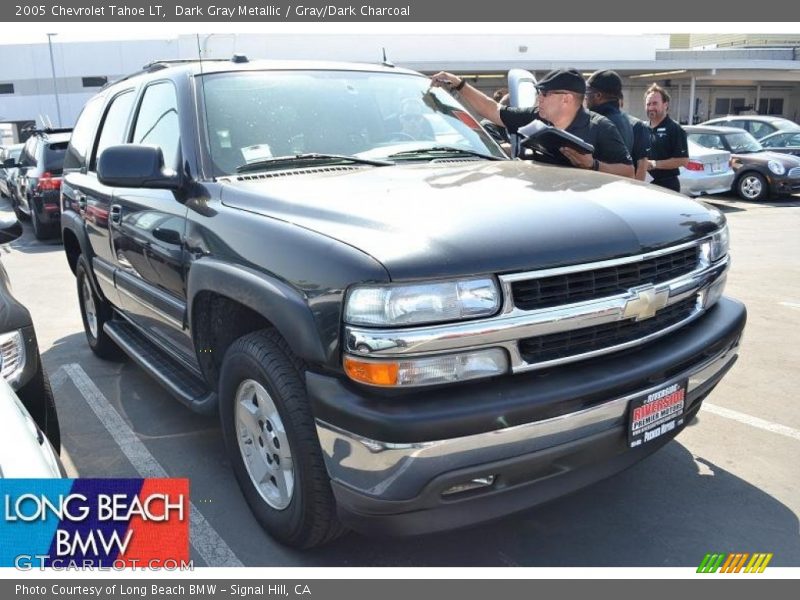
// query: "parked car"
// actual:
[[783, 142], [8, 176], [39, 180], [708, 172], [759, 174], [25, 452], [20, 364], [758, 126], [399, 335]]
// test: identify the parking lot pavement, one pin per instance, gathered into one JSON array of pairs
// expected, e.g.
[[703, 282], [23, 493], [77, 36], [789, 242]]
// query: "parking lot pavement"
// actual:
[[728, 483]]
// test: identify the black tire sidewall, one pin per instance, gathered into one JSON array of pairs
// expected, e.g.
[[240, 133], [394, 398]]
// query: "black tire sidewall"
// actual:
[[285, 524], [81, 273]]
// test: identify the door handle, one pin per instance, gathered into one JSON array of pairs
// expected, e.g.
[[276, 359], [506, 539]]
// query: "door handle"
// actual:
[[116, 214]]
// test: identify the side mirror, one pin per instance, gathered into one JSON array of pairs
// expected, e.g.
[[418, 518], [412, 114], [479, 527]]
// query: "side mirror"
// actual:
[[135, 166], [521, 93], [168, 236], [10, 227]]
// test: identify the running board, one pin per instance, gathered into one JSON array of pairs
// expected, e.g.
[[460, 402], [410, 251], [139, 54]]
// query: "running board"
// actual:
[[177, 379]]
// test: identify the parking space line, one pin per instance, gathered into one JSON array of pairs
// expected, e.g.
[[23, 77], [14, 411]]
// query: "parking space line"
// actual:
[[790, 304], [752, 421], [204, 538]]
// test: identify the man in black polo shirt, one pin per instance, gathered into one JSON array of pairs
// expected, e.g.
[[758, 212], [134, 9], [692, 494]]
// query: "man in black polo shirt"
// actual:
[[668, 148], [604, 96], [561, 94]]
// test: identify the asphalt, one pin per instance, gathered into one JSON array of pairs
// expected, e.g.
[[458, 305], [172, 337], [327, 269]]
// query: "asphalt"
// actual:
[[728, 483]]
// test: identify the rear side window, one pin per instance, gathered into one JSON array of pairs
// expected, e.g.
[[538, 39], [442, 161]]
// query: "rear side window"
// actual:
[[157, 121], [54, 156], [759, 129], [112, 130], [82, 135]]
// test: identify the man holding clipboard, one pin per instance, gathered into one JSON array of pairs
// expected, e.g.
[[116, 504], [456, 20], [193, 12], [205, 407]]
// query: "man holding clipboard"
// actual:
[[561, 94]]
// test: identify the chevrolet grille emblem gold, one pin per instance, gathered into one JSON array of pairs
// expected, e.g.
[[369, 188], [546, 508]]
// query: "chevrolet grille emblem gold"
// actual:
[[644, 303]]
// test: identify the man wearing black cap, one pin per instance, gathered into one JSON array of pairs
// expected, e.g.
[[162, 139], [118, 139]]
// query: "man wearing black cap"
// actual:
[[561, 94], [668, 147], [604, 96]]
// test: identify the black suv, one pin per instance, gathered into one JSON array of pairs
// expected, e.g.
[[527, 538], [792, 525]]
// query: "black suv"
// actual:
[[402, 330], [39, 180]]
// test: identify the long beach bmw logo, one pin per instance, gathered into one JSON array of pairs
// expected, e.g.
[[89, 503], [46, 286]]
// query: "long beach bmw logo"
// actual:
[[645, 303]]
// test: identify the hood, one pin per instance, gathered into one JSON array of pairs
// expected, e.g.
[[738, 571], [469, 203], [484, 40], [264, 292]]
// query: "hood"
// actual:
[[787, 160], [430, 220]]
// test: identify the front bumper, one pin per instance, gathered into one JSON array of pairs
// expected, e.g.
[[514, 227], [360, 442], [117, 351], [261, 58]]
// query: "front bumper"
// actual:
[[535, 436], [782, 186]]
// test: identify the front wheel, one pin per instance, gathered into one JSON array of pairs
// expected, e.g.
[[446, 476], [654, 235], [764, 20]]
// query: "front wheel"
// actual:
[[37, 396], [272, 443], [95, 313], [752, 186]]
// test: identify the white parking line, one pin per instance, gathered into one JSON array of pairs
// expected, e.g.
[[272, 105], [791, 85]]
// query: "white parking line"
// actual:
[[790, 304], [204, 538], [752, 421]]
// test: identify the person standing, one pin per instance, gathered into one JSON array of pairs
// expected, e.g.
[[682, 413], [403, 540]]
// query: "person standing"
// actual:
[[604, 96], [561, 94], [668, 147]]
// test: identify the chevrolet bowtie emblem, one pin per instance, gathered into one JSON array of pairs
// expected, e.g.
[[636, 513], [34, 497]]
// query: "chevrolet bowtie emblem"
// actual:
[[644, 303]]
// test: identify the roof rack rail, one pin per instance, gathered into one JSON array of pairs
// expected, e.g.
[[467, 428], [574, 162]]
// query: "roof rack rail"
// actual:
[[46, 130], [164, 63]]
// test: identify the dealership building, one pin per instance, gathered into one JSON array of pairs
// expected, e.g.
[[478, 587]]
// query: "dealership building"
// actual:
[[707, 75]]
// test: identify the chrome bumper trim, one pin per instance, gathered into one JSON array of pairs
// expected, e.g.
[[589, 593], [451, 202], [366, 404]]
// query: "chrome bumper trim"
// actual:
[[399, 471]]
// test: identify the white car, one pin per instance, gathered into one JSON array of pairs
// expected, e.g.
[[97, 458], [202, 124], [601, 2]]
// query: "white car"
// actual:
[[708, 172], [25, 452]]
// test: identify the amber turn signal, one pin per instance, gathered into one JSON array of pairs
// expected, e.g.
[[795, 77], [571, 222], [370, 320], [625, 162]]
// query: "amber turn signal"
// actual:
[[373, 373]]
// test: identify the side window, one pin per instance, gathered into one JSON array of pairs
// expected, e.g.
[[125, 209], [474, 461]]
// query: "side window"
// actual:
[[794, 140], [759, 129], [157, 122], [112, 130], [82, 134]]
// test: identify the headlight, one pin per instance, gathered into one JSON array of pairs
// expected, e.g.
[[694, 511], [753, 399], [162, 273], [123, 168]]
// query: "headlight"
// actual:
[[12, 356], [394, 305], [716, 246], [776, 167]]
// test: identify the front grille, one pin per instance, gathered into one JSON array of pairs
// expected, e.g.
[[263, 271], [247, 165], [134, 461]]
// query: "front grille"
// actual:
[[590, 285], [794, 172], [579, 341]]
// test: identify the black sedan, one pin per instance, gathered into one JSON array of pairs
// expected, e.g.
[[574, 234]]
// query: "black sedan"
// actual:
[[760, 174], [783, 142]]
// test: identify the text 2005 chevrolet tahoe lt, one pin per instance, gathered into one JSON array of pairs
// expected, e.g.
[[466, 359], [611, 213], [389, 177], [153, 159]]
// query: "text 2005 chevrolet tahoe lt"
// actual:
[[401, 330]]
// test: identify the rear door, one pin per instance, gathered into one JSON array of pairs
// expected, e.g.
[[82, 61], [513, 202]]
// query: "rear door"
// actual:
[[147, 228]]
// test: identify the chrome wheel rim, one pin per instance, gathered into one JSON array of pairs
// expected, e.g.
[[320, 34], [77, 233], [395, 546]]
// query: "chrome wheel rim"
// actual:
[[88, 308], [751, 187], [263, 444]]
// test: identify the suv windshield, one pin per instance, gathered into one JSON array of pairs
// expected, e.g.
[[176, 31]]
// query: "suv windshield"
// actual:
[[258, 115]]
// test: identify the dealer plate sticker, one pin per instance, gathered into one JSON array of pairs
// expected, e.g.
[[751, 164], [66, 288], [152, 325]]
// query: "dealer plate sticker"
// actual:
[[655, 414]]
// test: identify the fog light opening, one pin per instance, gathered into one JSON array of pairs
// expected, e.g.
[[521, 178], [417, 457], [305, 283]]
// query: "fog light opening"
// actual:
[[468, 486]]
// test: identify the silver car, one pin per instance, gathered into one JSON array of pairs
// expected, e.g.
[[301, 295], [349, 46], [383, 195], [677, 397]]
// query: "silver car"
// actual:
[[708, 172], [25, 452]]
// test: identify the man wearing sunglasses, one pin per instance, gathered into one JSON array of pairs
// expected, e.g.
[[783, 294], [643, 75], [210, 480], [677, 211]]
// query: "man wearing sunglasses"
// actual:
[[561, 94]]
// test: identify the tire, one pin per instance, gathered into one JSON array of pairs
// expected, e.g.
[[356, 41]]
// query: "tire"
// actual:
[[752, 186], [265, 415], [95, 313], [40, 230], [37, 396]]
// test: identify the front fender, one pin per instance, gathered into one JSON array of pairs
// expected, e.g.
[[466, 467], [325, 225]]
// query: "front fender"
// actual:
[[280, 304]]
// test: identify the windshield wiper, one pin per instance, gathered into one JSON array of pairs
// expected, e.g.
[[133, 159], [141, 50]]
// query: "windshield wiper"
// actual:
[[277, 161], [442, 150]]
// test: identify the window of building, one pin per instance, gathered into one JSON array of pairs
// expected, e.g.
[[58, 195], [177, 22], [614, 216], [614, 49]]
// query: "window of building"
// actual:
[[770, 106], [94, 81], [728, 106], [6, 88]]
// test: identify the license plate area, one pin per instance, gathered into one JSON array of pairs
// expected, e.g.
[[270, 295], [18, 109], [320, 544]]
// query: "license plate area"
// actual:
[[656, 413]]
